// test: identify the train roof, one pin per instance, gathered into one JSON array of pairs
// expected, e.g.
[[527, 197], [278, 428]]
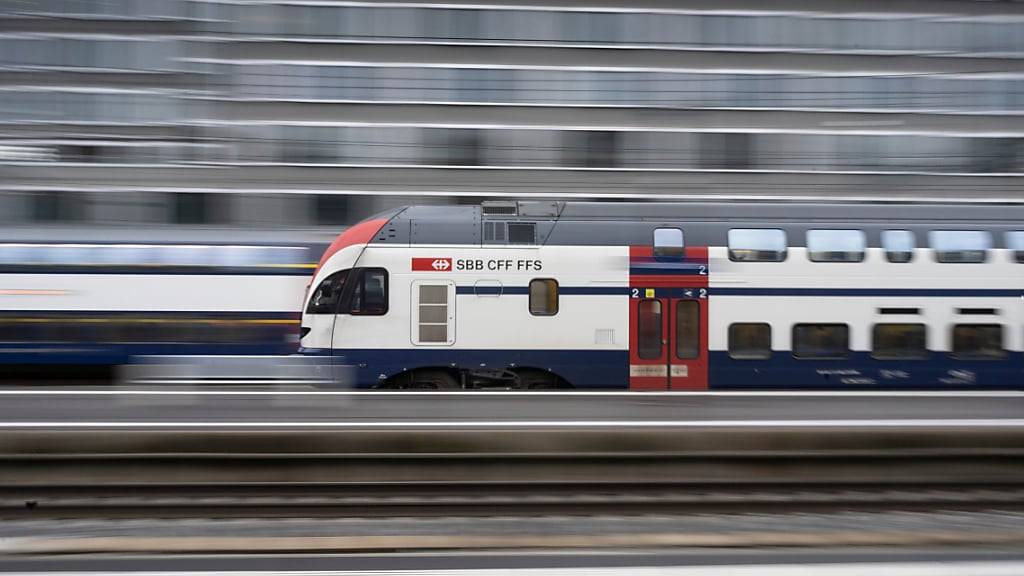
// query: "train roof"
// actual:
[[611, 223]]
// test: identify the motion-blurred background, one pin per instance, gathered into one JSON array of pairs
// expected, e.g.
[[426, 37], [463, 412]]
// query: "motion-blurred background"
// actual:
[[314, 114], [217, 146]]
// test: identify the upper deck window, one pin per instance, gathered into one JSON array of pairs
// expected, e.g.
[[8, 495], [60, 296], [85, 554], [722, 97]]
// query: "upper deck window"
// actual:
[[836, 245], [899, 245], [960, 246], [668, 243], [1015, 242], [757, 245]]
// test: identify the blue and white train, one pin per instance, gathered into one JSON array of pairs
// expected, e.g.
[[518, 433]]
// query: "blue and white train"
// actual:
[[685, 296], [71, 298]]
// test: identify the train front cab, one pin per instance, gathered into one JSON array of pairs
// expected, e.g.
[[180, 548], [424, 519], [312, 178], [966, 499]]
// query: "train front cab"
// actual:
[[335, 283]]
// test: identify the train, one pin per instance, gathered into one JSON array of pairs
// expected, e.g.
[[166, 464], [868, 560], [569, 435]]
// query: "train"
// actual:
[[686, 296], [81, 302]]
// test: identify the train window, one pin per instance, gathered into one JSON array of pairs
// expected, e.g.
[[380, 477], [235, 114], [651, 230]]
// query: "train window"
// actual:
[[960, 246], [750, 341], [543, 297], [978, 342], [821, 340], [649, 329], [668, 243], [1015, 242], [182, 255], [836, 245], [899, 245], [325, 298], [16, 254], [757, 245], [898, 341], [235, 256], [126, 254], [522, 233], [687, 329], [370, 293]]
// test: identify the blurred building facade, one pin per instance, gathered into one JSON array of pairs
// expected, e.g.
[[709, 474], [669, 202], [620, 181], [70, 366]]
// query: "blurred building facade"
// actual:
[[308, 113]]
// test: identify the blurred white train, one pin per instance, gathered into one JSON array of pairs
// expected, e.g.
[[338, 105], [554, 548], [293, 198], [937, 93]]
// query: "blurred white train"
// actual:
[[100, 302], [688, 296]]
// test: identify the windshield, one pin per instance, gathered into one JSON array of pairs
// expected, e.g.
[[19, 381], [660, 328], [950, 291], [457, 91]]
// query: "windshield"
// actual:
[[325, 299]]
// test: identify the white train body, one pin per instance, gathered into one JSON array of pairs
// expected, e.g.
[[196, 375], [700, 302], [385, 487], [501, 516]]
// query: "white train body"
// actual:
[[583, 302]]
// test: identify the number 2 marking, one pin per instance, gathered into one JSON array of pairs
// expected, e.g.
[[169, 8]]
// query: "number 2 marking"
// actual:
[[702, 270], [703, 293], [635, 293]]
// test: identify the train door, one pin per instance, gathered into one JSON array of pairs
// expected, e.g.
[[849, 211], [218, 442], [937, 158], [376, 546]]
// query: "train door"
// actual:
[[668, 317], [667, 347]]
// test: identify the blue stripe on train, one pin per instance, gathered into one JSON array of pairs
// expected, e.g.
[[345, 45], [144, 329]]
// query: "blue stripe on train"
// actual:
[[860, 371], [597, 368], [609, 369]]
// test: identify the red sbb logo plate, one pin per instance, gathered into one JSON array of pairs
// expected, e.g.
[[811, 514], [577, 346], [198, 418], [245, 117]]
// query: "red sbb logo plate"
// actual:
[[431, 264]]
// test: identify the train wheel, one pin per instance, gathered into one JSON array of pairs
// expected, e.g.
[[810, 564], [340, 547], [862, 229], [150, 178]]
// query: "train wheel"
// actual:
[[434, 380], [538, 380]]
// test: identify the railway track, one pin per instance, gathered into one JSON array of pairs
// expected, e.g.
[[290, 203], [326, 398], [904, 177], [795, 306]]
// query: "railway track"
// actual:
[[431, 499]]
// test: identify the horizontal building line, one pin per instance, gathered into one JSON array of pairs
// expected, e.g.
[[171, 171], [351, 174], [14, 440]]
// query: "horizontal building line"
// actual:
[[606, 57], [458, 424], [882, 198], [534, 117], [867, 8]]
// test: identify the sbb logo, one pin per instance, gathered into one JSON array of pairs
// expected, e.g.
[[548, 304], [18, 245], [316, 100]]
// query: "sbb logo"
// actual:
[[431, 264]]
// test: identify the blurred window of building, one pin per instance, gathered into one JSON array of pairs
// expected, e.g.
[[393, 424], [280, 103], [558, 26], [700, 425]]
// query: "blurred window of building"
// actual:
[[331, 209], [757, 245], [899, 342], [960, 246], [997, 154], [821, 341], [590, 148], [57, 206], [836, 245], [193, 208], [978, 342], [750, 341], [729, 151], [898, 245], [1015, 242], [453, 146]]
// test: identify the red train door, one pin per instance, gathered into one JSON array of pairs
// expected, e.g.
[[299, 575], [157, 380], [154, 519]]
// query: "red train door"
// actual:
[[668, 321]]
